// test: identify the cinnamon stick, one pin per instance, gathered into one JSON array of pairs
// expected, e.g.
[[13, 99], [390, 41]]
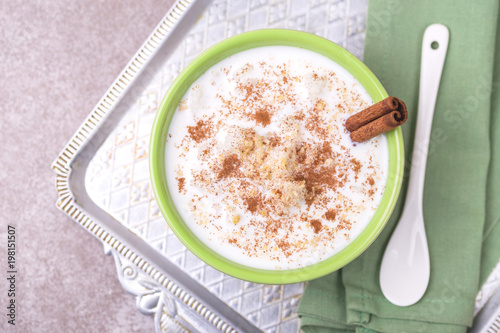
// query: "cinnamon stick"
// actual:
[[379, 118]]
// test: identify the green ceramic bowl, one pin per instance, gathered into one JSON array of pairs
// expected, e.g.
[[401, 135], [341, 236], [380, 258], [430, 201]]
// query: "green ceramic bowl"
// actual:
[[169, 104]]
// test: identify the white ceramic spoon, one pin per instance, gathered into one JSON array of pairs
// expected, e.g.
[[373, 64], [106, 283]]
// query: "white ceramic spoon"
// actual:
[[405, 270]]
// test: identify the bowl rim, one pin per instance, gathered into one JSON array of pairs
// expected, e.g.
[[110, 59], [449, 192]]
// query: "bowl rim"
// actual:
[[166, 109]]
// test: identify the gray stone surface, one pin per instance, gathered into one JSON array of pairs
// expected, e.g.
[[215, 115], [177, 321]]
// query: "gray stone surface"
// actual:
[[57, 59]]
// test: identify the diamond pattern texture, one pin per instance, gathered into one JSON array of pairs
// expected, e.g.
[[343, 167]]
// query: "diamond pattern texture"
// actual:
[[117, 178]]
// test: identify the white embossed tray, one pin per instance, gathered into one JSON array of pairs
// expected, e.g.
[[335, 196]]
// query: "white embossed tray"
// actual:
[[103, 177]]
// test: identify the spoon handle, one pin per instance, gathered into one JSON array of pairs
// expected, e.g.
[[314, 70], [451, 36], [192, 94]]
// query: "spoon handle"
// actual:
[[434, 47]]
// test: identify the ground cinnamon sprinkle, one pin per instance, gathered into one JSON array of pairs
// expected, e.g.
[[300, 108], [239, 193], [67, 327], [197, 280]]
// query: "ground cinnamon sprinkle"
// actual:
[[283, 245], [262, 117], [181, 182], [330, 215], [201, 131], [316, 169], [314, 124], [316, 224], [230, 166], [273, 226], [253, 203], [356, 165], [316, 180]]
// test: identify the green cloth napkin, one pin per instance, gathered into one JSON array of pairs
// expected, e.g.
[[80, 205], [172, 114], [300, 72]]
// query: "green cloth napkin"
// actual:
[[462, 185]]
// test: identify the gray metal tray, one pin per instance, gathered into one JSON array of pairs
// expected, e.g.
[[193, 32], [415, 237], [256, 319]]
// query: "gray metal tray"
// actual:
[[103, 177]]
